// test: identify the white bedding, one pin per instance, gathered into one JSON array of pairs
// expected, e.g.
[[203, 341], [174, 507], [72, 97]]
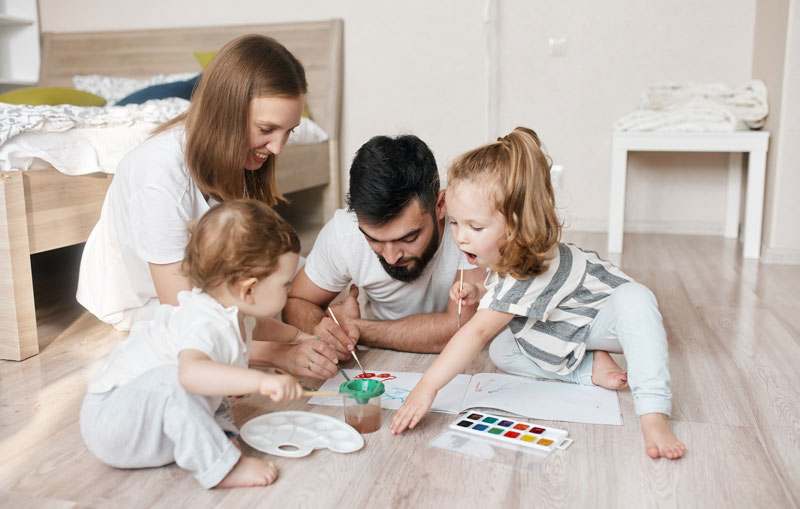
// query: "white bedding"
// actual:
[[77, 141]]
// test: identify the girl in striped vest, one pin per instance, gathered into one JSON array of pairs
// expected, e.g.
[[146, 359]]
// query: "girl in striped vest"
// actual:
[[566, 307]]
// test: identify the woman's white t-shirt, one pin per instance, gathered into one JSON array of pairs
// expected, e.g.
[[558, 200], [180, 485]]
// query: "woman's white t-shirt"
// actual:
[[144, 217]]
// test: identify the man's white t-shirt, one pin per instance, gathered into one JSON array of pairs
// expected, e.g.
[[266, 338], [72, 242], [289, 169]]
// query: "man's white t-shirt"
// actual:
[[143, 220], [199, 322], [341, 255]]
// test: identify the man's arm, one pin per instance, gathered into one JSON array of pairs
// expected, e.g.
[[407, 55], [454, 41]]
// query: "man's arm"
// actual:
[[423, 333], [306, 304], [305, 309]]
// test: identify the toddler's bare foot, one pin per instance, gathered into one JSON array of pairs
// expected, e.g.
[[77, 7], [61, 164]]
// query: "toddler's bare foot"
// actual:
[[250, 472], [659, 441], [607, 373]]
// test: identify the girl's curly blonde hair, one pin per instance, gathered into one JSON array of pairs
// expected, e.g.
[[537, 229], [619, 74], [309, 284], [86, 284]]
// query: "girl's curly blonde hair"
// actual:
[[236, 240], [516, 172]]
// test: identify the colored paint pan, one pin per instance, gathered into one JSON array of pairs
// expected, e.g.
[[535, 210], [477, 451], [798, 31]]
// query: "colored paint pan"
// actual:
[[512, 431]]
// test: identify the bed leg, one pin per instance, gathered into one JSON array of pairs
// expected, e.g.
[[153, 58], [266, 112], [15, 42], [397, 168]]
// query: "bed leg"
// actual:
[[18, 337]]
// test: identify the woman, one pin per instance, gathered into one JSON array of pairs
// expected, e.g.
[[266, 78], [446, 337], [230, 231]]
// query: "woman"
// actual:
[[224, 147]]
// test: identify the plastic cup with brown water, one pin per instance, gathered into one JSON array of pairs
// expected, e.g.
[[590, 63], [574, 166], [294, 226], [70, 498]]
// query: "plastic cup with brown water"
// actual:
[[362, 404]]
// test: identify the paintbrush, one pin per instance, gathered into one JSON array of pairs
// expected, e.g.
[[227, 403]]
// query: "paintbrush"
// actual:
[[353, 352], [460, 287], [282, 372], [321, 393]]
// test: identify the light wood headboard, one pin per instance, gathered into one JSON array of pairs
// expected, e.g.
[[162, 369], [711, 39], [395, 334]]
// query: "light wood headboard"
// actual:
[[142, 53]]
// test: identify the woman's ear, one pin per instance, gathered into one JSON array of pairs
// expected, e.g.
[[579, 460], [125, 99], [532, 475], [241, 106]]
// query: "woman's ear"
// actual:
[[247, 289]]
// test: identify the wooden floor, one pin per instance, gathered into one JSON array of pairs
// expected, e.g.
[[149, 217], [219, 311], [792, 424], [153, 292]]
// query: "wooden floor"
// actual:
[[733, 327]]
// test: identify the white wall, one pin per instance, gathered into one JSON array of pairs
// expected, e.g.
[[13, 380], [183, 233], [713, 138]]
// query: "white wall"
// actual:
[[776, 60], [615, 49], [418, 66]]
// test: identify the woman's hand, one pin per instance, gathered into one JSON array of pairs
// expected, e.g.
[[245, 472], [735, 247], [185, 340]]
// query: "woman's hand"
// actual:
[[469, 294], [280, 387], [413, 410], [310, 358]]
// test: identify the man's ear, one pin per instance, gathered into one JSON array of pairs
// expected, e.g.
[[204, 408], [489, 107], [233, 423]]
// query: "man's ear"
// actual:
[[441, 206], [247, 289]]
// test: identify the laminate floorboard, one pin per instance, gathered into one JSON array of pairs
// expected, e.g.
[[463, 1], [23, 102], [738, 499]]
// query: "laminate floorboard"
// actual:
[[734, 336]]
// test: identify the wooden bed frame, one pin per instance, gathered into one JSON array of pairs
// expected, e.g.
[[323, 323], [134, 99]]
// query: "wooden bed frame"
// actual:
[[44, 209]]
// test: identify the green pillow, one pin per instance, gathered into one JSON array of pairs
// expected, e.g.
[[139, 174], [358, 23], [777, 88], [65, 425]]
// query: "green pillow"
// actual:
[[52, 96], [204, 57]]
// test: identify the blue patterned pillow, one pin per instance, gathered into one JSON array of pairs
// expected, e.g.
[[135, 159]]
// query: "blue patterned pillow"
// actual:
[[182, 89]]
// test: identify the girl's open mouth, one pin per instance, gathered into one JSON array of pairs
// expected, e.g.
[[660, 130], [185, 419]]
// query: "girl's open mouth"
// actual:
[[471, 258]]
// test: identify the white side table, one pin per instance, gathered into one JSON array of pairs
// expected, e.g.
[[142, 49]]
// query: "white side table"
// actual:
[[737, 142]]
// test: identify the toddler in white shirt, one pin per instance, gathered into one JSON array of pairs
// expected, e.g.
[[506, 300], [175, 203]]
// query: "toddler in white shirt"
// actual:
[[161, 397]]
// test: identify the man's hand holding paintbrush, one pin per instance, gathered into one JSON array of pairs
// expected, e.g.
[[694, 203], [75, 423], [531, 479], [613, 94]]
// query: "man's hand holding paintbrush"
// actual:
[[344, 335]]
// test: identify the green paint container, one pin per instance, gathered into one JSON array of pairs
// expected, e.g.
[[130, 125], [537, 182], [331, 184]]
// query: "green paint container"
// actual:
[[362, 404]]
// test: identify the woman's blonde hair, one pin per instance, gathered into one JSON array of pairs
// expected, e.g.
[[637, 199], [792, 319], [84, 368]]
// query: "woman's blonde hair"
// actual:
[[516, 173], [236, 240], [248, 67]]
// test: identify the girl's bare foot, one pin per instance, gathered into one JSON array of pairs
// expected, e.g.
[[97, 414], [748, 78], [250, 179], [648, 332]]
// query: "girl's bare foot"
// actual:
[[250, 472], [659, 441], [607, 373]]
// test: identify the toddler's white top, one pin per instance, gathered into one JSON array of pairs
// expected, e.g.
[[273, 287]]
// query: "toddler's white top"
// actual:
[[199, 322]]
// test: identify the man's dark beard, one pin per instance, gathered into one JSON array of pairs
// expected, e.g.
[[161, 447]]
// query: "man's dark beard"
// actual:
[[408, 274]]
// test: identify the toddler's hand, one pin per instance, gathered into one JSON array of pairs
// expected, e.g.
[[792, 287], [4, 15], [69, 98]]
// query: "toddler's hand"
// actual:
[[469, 294], [413, 410], [280, 387]]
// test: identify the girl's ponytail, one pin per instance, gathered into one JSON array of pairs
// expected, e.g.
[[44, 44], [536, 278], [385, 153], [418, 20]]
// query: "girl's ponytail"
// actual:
[[520, 172]]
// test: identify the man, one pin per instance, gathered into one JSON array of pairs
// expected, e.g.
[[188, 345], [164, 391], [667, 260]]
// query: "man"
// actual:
[[394, 243]]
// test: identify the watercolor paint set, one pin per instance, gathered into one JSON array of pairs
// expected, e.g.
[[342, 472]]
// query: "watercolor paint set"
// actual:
[[512, 431]]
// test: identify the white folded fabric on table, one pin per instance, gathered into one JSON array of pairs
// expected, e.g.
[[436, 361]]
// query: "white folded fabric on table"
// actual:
[[690, 107]]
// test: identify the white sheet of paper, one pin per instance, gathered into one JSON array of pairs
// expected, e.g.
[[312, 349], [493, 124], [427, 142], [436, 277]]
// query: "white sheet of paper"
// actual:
[[547, 400]]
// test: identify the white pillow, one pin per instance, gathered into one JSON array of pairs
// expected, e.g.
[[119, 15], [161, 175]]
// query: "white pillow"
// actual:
[[114, 88], [306, 133]]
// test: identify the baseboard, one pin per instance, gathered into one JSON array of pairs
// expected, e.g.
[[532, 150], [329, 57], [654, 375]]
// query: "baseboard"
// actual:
[[777, 256], [673, 228]]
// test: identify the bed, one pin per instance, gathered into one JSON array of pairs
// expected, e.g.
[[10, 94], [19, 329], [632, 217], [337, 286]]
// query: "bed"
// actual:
[[44, 209]]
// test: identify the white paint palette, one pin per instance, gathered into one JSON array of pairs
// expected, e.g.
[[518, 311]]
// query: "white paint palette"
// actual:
[[295, 434]]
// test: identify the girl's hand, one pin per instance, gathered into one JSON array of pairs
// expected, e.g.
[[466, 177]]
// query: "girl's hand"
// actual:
[[280, 387], [469, 294], [413, 410]]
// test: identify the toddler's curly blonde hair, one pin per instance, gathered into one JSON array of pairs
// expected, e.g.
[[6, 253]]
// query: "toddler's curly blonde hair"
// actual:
[[236, 240]]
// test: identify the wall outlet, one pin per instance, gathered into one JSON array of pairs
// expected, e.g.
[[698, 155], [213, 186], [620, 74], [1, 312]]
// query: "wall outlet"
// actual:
[[558, 46], [556, 171]]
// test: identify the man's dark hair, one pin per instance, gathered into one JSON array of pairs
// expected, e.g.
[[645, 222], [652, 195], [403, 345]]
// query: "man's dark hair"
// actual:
[[387, 174]]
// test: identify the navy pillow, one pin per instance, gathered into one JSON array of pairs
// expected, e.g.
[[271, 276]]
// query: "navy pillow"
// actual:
[[182, 89]]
